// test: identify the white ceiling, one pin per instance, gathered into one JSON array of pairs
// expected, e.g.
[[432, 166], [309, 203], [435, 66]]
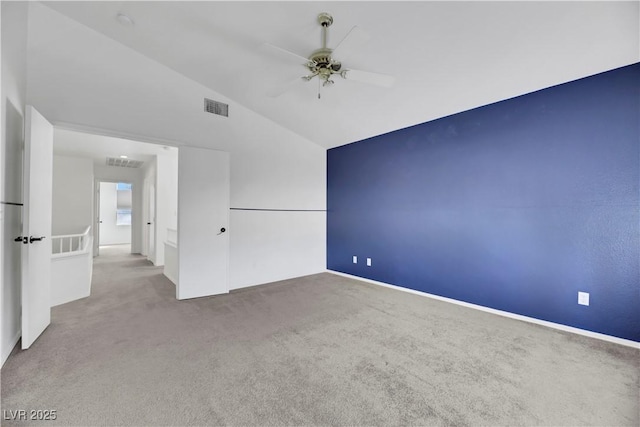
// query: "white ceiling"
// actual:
[[447, 57], [98, 148]]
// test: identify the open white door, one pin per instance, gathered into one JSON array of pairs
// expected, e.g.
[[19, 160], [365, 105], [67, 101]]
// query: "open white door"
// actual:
[[36, 226], [96, 226], [151, 224], [145, 216], [203, 220]]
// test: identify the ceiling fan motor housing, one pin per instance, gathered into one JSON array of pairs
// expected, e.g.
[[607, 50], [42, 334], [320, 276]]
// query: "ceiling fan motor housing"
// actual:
[[321, 59]]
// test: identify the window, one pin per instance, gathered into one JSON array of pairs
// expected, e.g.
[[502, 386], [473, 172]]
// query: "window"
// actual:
[[123, 217], [123, 186], [123, 209]]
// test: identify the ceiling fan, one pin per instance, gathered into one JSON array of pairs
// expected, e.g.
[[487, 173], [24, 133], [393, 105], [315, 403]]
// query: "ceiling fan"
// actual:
[[325, 63]]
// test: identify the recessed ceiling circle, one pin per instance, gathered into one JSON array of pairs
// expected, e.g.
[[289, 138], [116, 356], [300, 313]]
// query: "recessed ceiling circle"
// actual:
[[124, 19]]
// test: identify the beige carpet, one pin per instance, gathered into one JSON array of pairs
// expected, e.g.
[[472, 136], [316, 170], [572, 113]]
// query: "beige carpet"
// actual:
[[317, 350]]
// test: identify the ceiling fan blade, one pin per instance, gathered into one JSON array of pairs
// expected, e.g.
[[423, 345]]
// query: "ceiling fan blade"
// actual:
[[285, 54], [377, 79], [284, 87], [355, 38]]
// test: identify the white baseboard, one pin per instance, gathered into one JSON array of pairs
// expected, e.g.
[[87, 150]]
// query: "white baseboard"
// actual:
[[553, 325], [7, 350]]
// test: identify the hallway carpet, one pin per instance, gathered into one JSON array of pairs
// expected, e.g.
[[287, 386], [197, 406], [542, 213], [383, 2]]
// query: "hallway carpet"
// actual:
[[317, 350]]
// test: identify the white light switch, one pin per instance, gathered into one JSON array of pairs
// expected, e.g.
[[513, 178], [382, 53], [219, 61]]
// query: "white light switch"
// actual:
[[369, 262], [355, 259], [583, 298]]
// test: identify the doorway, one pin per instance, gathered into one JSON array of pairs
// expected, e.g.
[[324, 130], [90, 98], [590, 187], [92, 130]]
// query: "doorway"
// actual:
[[115, 213], [88, 159], [149, 221]]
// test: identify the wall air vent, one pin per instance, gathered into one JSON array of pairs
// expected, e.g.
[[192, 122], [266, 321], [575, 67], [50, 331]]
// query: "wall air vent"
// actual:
[[215, 107], [124, 163]]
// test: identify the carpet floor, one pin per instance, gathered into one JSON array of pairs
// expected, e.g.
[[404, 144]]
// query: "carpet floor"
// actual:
[[316, 350]]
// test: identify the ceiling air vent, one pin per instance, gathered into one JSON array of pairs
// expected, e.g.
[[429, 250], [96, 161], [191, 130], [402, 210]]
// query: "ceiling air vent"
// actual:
[[215, 107], [123, 163]]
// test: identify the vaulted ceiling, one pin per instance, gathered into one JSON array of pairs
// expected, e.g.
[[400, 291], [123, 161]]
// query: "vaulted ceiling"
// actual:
[[446, 57]]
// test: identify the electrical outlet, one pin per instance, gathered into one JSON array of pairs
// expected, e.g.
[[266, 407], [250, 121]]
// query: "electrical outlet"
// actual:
[[355, 259], [368, 262], [583, 298]]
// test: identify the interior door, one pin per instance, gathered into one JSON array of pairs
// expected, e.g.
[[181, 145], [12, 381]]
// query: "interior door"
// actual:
[[105, 211], [36, 226], [151, 224], [203, 222], [145, 216], [96, 227]]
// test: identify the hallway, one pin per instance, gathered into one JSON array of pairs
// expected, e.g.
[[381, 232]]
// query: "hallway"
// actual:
[[118, 277], [67, 368], [112, 253]]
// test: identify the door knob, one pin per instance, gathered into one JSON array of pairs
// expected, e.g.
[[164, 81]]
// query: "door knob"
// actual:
[[35, 239], [222, 230], [148, 223], [20, 239]]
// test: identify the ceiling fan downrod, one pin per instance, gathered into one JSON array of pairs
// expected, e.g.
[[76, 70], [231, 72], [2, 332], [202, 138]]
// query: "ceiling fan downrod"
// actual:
[[320, 62], [325, 20]]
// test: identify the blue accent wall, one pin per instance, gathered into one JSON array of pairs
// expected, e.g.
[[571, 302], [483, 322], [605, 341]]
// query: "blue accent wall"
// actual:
[[516, 205]]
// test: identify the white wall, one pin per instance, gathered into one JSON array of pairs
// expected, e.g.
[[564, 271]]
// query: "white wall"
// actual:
[[292, 245], [110, 232], [71, 276], [72, 194], [271, 167], [170, 269], [14, 81], [135, 177]]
